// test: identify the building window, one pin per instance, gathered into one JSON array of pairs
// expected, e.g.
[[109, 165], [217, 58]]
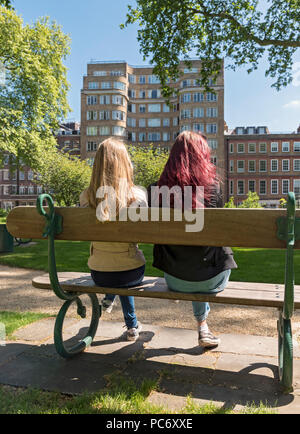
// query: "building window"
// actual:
[[285, 165], [104, 99], [241, 187], [296, 165], [251, 185], [198, 112], [119, 85], [142, 108], [211, 128], [274, 165], [142, 122], [211, 112], [142, 137], [142, 79], [231, 148], [132, 136], [131, 108], [175, 122], [285, 186], [154, 108], [142, 94], [185, 128], [262, 165], [212, 143], [239, 130], [251, 166], [104, 131], [262, 147], [131, 93], [93, 85], [231, 188], [240, 166], [118, 131], [153, 137], [131, 122], [185, 114], [131, 78], [30, 175], [186, 97], [91, 99], [166, 122], [104, 115], [99, 73], [285, 146], [231, 166], [296, 146], [198, 97], [297, 186], [117, 115], [117, 73], [274, 186], [274, 146], [251, 148], [91, 146], [262, 187], [117, 99], [166, 108], [105, 84], [91, 131], [154, 122], [166, 137], [241, 148], [91, 115], [198, 127], [214, 160], [211, 96], [153, 79], [154, 93]]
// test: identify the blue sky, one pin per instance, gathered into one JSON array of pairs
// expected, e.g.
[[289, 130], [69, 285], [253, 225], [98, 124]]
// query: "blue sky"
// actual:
[[93, 26]]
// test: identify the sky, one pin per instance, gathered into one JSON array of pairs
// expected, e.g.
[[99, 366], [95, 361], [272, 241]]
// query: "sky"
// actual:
[[93, 26]]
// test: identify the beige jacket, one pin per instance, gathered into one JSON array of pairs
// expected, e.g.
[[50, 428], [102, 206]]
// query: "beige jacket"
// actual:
[[106, 256]]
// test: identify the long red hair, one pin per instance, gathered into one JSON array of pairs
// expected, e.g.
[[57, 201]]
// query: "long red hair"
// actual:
[[189, 164]]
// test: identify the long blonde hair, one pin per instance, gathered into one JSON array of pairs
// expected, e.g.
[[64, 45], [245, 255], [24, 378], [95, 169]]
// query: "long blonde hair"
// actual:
[[112, 168]]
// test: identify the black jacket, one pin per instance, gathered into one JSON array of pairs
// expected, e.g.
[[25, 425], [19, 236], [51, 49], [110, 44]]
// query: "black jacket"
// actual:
[[193, 263]]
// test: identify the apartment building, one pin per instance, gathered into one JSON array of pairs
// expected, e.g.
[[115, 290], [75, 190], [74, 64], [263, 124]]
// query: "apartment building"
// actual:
[[125, 101], [68, 138], [261, 161]]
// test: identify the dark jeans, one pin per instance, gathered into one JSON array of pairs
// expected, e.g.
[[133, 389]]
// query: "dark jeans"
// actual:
[[121, 279]]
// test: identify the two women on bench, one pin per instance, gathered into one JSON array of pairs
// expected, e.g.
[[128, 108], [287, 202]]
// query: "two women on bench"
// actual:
[[186, 268]]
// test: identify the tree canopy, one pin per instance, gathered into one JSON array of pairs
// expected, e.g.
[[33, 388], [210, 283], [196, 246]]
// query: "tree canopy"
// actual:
[[241, 31], [33, 86]]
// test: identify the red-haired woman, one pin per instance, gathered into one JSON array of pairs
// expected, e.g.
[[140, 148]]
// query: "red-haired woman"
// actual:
[[193, 268]]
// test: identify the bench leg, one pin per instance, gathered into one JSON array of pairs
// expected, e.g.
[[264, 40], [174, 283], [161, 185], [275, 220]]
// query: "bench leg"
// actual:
[[285, 353], [87, 340]]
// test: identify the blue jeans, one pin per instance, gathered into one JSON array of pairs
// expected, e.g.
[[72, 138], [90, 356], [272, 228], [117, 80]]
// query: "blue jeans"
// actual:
[[121, 279], [215, 284]]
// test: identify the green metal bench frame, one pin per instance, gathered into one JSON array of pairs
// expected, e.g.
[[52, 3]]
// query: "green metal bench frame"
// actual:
[[288, 229]]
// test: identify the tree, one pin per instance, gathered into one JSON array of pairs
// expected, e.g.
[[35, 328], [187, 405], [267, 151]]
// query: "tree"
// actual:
[[241, 31], [252, 201], [148, 163], [33, 91], [6, 3], [64, 177]]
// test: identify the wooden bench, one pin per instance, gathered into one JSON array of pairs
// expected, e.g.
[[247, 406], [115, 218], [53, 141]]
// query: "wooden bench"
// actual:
[[256, 228]]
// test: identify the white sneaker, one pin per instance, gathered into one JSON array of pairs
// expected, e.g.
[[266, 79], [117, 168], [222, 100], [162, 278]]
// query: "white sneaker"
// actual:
[[107, 305], [133, 334]]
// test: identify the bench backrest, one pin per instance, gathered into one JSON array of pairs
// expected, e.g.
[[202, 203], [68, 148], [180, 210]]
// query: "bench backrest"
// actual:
[[222, 227]]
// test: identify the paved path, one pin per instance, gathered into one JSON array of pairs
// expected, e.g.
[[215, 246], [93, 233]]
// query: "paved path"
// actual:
[[240, 371]]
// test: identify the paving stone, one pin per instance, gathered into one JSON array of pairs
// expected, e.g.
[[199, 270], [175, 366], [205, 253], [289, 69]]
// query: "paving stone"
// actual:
[[41, 330]]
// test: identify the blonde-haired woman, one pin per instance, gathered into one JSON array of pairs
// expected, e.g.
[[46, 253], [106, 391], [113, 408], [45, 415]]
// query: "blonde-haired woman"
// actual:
[[115, 264]]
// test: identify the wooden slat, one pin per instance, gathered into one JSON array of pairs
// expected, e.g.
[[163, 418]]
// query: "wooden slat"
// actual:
[[253, 294], [222, 227]]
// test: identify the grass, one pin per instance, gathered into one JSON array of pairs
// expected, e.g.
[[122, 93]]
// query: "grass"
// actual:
[[254, 265], [14, 320], [120, 396]]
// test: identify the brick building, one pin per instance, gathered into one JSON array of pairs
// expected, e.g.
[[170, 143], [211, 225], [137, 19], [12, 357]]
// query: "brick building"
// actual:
[[264, 162], [17, 187], [125, 101]]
